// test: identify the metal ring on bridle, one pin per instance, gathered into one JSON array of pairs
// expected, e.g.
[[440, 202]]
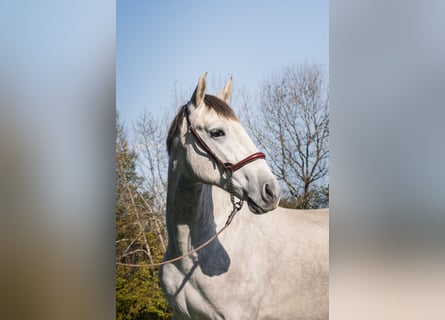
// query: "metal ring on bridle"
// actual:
[[228, 173]]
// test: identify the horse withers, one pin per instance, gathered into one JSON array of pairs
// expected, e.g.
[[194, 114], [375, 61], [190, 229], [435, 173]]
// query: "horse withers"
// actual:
[[263, 266]]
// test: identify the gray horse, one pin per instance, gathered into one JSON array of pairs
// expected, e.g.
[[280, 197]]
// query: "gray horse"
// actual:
[[263, 266]]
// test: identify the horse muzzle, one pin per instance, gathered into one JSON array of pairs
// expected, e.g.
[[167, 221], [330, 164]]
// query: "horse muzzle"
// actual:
[[267, 200]]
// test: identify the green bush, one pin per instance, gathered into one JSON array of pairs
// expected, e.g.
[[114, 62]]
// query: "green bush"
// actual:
[[139, 296]]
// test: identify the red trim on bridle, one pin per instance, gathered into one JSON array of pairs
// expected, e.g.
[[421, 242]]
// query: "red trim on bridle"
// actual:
[[227, 167]]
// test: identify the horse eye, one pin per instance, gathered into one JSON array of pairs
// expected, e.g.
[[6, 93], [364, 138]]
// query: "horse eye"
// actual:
[[217, 133]]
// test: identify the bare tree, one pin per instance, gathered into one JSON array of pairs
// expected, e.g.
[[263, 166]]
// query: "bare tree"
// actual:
[[132, 242], [292, 126], [150, 133]]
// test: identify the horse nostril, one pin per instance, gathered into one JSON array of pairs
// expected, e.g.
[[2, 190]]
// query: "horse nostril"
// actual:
[[268, 193]]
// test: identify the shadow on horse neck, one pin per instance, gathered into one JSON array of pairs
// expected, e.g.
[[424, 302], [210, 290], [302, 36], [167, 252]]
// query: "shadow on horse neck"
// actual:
[[191, 222]]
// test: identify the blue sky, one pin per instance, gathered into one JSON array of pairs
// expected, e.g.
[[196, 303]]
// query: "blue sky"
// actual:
[[163, 45]]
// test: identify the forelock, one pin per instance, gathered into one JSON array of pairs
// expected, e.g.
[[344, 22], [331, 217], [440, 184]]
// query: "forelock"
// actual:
[[220, 107]]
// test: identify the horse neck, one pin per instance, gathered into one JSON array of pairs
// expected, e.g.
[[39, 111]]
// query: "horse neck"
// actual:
[[191, 217]]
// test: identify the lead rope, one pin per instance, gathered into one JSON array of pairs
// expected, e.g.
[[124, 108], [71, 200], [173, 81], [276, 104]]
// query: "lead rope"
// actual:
[[236, 206]]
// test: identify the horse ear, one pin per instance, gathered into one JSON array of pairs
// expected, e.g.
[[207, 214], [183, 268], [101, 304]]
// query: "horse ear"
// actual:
[[200, 91], [226, 93]]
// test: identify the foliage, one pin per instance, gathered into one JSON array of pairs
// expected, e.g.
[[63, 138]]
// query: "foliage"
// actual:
[[138, 295], [139, 240], [319, 198]]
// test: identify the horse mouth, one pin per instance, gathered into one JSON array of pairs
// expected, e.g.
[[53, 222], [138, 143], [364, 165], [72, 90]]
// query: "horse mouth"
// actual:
[[254, 207]]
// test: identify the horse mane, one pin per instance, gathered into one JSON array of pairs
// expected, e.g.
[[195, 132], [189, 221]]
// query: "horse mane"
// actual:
[[212, 103]]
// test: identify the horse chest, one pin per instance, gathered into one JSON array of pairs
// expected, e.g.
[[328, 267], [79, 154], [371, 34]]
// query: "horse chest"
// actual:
[[195, 295]]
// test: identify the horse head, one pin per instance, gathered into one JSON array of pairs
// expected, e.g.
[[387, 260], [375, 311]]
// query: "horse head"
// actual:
[[213, 148]]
